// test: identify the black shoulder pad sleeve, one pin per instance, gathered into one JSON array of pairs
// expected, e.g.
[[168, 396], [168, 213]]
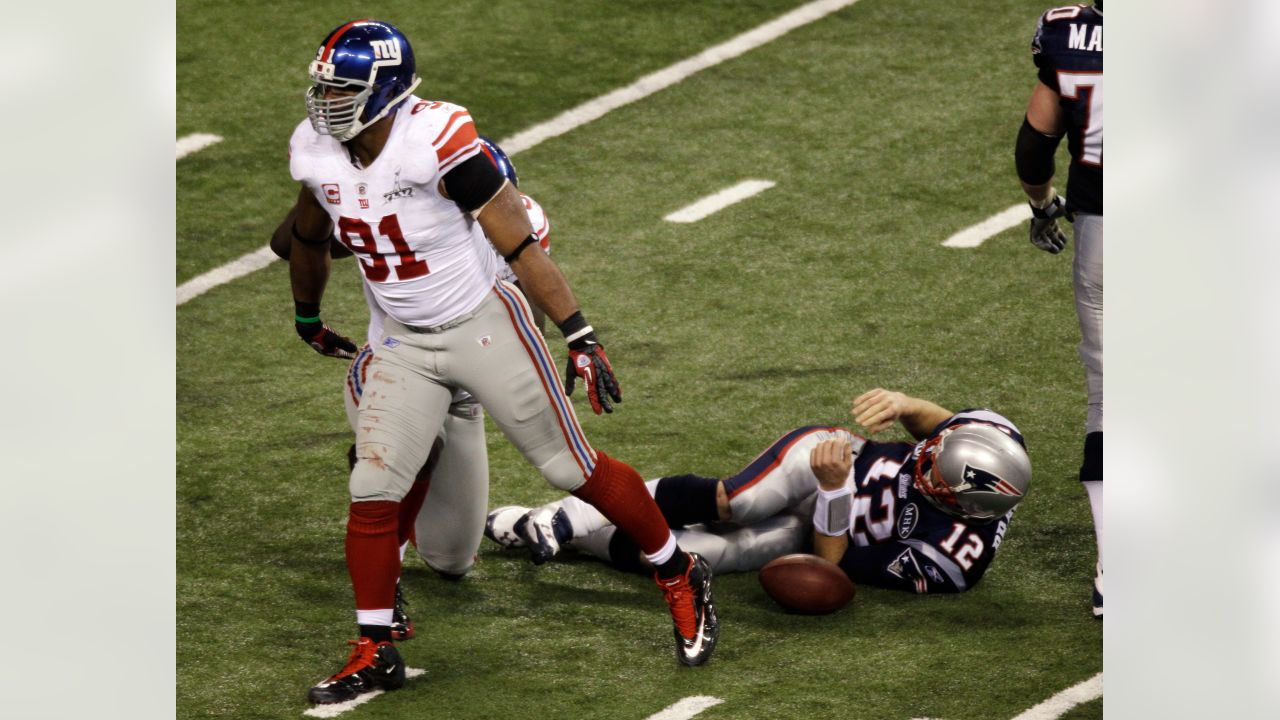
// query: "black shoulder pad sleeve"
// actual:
[[473, 182]]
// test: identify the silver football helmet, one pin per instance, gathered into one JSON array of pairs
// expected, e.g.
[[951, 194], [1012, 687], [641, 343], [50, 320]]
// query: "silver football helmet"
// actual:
[[974, 471]]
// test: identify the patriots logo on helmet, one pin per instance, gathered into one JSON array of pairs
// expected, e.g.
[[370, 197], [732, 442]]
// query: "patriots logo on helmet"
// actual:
[[983, 481]]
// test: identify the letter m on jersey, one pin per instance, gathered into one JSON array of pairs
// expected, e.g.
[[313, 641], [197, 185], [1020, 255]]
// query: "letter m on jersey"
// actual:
[[386, 49]]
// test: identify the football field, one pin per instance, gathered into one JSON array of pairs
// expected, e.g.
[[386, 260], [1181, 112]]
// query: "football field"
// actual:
[[884, 126]]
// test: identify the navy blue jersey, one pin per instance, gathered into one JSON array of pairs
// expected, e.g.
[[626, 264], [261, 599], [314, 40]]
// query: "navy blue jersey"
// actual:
[[899, 539], [1067, 48]]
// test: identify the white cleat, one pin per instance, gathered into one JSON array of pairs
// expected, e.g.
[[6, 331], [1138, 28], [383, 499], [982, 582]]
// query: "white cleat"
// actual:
[[544, 531], [504, 524]]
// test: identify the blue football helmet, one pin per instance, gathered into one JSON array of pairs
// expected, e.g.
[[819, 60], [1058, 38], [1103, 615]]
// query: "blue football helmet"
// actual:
[[372, 63], [500, 159]]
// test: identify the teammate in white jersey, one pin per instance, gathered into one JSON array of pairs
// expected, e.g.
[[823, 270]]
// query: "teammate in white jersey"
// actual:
[[406, 187]]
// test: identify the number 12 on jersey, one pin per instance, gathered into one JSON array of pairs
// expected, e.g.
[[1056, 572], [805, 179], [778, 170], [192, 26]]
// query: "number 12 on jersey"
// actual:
[[358, 236]]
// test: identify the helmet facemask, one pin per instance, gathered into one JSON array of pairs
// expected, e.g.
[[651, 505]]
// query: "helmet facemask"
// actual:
[[338, 116]]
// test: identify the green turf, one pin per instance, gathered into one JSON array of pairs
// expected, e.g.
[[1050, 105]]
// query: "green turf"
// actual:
[[886, 127]]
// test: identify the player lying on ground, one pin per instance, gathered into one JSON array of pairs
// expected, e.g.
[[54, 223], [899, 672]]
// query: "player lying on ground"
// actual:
[[923, 517], [405, 185], [446, 531]]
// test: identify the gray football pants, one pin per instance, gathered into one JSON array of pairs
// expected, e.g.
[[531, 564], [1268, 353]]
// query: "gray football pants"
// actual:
[[496, 353], [1087, 276], [450, 523], [735, 550]]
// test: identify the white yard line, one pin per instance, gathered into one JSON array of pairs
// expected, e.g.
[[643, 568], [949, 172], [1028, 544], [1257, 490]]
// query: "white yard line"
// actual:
[[662, 79], [719, 201], [195, 143], [686, 708], [594, 109], [336, 709], [239, 267], [975, 235], [1059, 704]]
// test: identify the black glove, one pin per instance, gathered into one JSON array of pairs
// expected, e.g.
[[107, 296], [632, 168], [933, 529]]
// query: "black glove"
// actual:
[[306, 321], [1045, 233], [588, 361]]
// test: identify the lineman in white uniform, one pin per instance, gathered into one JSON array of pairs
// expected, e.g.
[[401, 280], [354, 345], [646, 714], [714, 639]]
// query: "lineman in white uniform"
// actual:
[[405, 186]]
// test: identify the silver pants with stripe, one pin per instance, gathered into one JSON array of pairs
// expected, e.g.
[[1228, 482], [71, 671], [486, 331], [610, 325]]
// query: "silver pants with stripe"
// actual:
[[496, 354], [1087, 277], [731, 550]]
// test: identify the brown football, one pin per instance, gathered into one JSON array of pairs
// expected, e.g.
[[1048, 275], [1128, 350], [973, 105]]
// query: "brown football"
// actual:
[[807, 584]]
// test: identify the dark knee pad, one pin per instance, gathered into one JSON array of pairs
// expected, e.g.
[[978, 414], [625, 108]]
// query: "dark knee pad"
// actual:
[[687, 499], [1091, 468]]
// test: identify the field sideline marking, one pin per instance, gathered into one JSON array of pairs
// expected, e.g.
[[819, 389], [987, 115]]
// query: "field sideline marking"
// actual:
[[336, 709], [196, 143], [662, 79], [719, 201], [1059, 704], [594, 109], [975, 235], [241, 266], [686, 708]]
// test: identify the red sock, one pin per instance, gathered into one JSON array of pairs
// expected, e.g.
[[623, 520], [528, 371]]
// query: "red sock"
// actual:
[[373, 555], [618, 492]]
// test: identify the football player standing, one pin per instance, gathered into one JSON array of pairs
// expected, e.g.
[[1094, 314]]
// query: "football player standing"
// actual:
[[443, 514], [406, 187], [1067, 99]]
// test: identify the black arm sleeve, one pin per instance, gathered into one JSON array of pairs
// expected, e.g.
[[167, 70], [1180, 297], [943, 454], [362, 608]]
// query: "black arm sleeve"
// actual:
[[473, 182], [1033, 154]]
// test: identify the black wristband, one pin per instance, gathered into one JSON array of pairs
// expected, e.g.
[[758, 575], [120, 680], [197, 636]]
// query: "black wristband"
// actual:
[[306, 312], [532, 239], [576, 331]]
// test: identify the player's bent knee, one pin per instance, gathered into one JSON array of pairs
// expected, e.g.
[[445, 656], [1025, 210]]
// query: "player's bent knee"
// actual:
[[564, 473], [369, 482], [449, 567]]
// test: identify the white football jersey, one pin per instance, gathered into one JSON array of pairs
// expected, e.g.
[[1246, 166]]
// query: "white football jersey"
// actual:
[[425, 261], [541, 228]]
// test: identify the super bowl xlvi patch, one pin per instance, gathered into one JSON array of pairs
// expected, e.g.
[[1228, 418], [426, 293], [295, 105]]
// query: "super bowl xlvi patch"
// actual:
[[907, 520], [391, 342], [904, 482]]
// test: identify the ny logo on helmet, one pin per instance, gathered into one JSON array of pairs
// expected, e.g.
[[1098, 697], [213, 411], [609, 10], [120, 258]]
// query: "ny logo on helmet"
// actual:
[[983, 481], [386, 49]]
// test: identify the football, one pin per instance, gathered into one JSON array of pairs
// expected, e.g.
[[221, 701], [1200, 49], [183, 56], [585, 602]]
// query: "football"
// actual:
[[807, 584]]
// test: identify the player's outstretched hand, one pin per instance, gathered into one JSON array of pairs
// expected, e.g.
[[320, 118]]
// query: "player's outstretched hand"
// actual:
[[1045, 233], [592, 365], [324, 340], [876, 410], [831, 462]]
